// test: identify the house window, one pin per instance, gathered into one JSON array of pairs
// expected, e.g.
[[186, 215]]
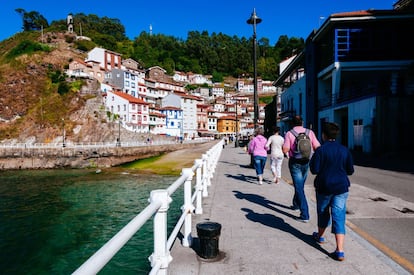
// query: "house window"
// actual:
[[358, 134]]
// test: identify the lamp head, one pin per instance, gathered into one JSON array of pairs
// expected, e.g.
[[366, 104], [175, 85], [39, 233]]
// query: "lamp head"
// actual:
[[254, 19]]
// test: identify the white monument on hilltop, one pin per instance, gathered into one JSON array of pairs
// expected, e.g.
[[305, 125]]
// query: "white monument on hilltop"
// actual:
[[69, 23]]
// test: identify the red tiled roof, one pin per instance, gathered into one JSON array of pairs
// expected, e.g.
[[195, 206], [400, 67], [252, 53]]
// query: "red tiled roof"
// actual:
[[130, 98], [170, 108], [364, 13]]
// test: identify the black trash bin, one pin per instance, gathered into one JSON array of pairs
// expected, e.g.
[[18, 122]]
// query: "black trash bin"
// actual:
[[208, 234]]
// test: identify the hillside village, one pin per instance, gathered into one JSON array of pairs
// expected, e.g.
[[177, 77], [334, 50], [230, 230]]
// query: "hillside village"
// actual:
[[150, 101]]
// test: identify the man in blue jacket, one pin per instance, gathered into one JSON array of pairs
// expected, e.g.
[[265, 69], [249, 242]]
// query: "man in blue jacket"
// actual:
[[331, 163]]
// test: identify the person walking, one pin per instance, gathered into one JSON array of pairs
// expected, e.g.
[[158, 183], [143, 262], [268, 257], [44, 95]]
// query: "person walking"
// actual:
[[257, 148], [299, 165], [275, 143], [332, 163]]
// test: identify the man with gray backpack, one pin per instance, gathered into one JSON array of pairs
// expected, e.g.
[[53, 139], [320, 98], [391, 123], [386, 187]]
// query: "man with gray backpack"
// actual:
[[299, 145]]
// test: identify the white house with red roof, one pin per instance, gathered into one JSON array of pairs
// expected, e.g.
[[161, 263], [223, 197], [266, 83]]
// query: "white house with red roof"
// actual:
[[197, 79], [212, 122], [217, 90], [133, 112], [157, 122], [246, 85], [89, 69], [180, 77], [107, 59]]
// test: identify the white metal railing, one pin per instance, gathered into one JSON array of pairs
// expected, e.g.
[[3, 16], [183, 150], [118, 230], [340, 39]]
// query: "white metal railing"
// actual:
[[159, 201]]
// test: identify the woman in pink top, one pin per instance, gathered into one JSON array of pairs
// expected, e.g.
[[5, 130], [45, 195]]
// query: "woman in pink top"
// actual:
[[257, 148]]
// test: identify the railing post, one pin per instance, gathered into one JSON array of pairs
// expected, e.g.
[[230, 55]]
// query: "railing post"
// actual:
[[217, 153], [187, 208], [209, 167], [205, 175], [199, 186], [161, 255]]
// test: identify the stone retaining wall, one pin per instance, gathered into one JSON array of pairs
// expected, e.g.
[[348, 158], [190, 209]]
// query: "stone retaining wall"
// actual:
[[51, 158]]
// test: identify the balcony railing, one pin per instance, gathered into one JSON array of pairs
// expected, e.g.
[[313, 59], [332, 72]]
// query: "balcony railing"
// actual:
[[345, 96]]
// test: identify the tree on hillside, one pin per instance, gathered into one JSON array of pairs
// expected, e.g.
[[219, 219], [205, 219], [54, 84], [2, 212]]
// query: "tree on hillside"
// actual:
[[200, 53], [105, 32], [159, 50], [32, 21], [289, 46]]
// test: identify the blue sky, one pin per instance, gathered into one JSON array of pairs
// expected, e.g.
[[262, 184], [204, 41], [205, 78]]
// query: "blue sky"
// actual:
[[176, 18]]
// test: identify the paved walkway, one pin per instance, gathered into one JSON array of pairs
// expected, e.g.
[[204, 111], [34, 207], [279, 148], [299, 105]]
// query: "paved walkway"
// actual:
[[260, 234]]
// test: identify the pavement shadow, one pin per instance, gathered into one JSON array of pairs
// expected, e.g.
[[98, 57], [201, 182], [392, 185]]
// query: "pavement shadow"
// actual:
[[236, 164], [275, 221], [248, 166], [260, 200], [278, 223], [242, 177]]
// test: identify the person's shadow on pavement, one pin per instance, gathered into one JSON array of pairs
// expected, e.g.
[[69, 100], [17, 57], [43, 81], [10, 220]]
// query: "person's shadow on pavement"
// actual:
[[274, 221], [278, 223]]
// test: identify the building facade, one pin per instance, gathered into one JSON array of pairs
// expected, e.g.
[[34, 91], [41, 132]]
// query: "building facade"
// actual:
[[359, 73]]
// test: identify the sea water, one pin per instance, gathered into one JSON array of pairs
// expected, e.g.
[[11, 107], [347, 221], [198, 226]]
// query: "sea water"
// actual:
[[52, 221]]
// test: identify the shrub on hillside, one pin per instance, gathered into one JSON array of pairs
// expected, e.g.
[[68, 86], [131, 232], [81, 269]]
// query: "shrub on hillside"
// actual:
[[27, 47]]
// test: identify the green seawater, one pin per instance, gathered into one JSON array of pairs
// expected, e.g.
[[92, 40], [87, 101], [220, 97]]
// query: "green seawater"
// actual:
[[52, 221]]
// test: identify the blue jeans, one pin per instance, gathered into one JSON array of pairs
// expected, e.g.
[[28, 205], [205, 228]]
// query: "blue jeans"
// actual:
[[335, 205], [259, 164], [299, 173]]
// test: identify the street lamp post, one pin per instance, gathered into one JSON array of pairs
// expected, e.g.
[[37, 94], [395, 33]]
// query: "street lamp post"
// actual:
[[64, 133], [254, 20], [118, 141], [237, 129]]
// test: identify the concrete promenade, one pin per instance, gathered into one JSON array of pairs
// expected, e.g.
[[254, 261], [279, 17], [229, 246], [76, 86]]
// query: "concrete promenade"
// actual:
[[260, 233]]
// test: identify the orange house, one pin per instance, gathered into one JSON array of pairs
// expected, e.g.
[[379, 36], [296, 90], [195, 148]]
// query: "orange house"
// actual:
[[227, 125]]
